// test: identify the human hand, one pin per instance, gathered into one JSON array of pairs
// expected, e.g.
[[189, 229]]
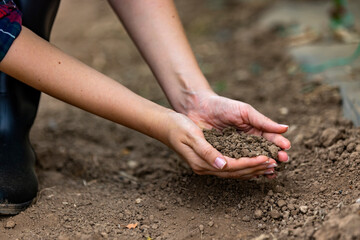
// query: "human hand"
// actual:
[[209, 110], [187, 139]]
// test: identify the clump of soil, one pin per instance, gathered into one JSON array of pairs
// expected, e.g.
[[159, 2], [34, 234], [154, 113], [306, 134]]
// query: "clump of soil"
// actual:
[[236, 144]]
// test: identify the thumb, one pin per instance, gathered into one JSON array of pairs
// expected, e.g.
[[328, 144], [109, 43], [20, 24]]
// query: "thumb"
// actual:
[[264, 123], [208, 153]]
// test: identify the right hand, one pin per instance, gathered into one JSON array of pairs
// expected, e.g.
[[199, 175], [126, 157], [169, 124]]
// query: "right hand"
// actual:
[[187, 139]]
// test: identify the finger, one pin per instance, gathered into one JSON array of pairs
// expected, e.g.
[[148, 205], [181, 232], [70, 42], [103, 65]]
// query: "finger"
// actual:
[[271, 176], [278, 139], [246, 163], [209, 154], [264, 123], [283, 156], [242, 174], [254, 171]]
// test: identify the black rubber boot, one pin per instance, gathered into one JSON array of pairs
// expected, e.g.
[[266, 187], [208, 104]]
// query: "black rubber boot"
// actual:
[[18, 108]]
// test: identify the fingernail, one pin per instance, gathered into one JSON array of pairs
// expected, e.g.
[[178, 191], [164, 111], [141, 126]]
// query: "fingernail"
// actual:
[[284, 125], [288, 159], [272, 165], [288, 148], [267, 162], [269, 172], [219, 163]]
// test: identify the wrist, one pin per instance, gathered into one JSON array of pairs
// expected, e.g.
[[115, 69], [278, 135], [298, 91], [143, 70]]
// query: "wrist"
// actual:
[[186, 96]]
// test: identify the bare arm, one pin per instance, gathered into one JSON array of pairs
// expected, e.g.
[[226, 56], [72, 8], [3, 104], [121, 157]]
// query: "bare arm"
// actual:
[[44, 67], [156, 29]]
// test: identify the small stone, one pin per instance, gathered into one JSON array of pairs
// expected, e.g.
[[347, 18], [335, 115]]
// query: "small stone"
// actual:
[[291, 206], [246, 218], [154, 226], [10, 224], [284, 111], [281, 203], [201, 227], [138, 200], [104, 234], [270, 193], [303, 209], [275, 214], [358, 200], [329, 136], [211, 223], [132, 164], [286, 214], [258, 214]]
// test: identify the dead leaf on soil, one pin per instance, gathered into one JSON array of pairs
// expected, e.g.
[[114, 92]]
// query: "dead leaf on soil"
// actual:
[[125, 151], [132, 225]]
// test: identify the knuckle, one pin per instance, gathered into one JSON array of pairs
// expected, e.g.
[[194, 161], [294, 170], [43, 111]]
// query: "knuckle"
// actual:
[[197, 169], [198, 172], [206, 152]]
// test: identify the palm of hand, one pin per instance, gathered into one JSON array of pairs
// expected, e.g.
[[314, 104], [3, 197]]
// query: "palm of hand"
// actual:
[[213, 111]]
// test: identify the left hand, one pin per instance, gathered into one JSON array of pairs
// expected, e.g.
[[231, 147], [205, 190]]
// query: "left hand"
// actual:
[[208, 110]]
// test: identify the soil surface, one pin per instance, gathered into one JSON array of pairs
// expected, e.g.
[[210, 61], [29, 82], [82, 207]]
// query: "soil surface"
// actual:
[[96, 177], [236, 144]]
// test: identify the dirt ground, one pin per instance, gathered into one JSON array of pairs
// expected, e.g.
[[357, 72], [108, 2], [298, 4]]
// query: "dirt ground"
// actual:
[[97, 177]]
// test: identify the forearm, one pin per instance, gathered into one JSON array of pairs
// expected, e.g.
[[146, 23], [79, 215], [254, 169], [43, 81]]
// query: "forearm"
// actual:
[[156, 29], [44, 67]]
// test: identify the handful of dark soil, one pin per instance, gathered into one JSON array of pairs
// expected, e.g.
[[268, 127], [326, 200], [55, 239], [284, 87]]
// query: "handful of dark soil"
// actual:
[[233, 144]]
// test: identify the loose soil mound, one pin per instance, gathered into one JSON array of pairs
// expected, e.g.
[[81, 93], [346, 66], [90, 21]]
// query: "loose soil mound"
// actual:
[[236, 144]]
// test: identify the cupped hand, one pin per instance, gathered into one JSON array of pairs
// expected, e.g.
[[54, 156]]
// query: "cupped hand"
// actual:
[[187, 139], [208, 110]]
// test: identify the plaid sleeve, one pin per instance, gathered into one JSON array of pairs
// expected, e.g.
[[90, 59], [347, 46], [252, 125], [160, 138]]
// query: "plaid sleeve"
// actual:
[[10, 25]]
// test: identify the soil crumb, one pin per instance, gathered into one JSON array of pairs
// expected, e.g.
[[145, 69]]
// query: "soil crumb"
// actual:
[[236, 144]]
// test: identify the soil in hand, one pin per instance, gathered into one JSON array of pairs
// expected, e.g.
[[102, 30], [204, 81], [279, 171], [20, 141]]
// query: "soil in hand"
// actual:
[[236, 144]]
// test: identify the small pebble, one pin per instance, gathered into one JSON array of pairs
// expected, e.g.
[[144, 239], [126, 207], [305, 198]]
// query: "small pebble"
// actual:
[[138, 200], [291, 206], [10, 224], [211, 223], [258, 214], [284, 111], [104, 234], [275, 214], [303, 209], [201, 227], [246, 219], [132, 164], [281, 203]]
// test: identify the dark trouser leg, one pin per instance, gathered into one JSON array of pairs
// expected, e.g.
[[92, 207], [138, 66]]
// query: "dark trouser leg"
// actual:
[[18, 108]]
